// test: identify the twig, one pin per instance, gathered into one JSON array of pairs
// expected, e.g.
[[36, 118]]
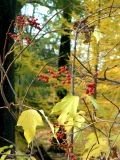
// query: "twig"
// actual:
[[111, 102], [110, 50], [111, 8], [115, 140], [8, 81], [91, 120], [7, 39], [8, 141], [105, 77], [42, 158], [73, 83], [90, 150], [1, 85], [20, 155], [110, 130], [83, 65]]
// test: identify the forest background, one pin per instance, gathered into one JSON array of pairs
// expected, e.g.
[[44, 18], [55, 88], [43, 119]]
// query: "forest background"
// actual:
[[60, 70]]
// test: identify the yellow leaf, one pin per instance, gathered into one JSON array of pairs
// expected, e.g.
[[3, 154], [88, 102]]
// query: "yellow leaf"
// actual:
[[67, 107], [97, 34], [29, 120]]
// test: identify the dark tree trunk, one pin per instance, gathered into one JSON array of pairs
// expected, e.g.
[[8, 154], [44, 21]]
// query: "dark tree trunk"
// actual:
[[64, 51], [7, 122]]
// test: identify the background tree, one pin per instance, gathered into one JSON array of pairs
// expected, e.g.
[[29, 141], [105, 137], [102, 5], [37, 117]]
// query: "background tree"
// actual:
[[7, 126]]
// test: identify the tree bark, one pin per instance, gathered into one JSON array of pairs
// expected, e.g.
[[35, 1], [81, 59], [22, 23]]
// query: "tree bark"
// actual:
[[64, 51], [7, 122]]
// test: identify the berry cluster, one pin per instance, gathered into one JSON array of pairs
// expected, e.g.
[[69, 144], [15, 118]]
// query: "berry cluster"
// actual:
[[63, 144], [28, 41], [90, 88], [71, 155], [61, 137], [43, 77], [14, 36], [23, 21], [20, 24], [57, 75], [32, 21], [65, 70]]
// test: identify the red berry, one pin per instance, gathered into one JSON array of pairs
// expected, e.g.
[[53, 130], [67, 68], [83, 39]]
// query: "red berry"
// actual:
[[62, 69], [47, 80], [96, 74], [56, 125], [63, 82], [58, 135], [91, 90], [42, 75], [91, 85], [68, 75], [39, 78], [66, 68], [92, 93], [54, 76], [67, 72], [69, 78], [50, 140], [68, 82], [87, 91], [59, 72], [50, 71]]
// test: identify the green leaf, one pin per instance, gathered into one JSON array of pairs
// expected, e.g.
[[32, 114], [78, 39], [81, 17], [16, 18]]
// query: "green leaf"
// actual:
[[75, 122], [79, 120], [67, 107], [20, 153], [50, 124], [97, 106], [33, 158], [3, 157], [67, 103], [29, 120], [3, 148]]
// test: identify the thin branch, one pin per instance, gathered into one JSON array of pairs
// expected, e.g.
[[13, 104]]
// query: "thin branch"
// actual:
[[114, 122], [110, 50], [111, 8], [8, 141], [83, 65], [39, 150], [105, 76], [91, 120], [8, 81], [18, 155], [7, 38], [111, 102], [90, 151], [115, 140]]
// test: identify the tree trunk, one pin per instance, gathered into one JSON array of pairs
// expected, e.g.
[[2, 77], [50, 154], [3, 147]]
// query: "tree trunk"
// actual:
[[64, 51], [7, 122]]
